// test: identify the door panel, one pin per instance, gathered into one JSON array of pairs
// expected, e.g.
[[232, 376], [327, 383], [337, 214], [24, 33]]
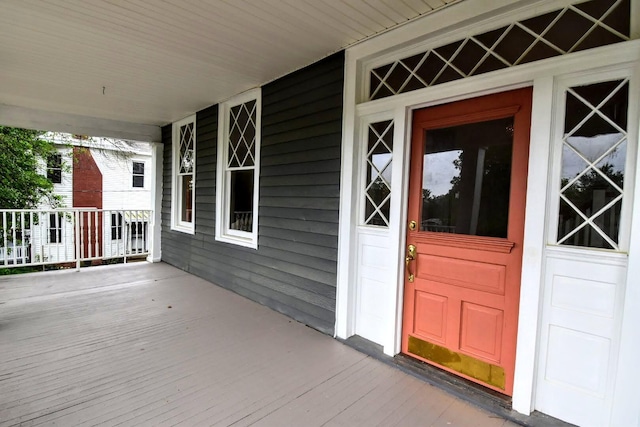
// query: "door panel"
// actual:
[[466, 211]]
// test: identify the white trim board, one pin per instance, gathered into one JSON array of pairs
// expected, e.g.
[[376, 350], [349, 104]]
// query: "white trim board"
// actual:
[[540, 75]]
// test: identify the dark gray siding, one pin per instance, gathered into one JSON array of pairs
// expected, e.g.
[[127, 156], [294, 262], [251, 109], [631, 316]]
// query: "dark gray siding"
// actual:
[[294, 269]]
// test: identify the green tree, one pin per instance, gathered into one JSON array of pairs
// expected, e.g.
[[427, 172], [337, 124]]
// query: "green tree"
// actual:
[[21, 184]]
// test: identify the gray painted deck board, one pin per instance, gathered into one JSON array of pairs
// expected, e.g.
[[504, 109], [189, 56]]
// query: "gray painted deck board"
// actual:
[[102, 347]]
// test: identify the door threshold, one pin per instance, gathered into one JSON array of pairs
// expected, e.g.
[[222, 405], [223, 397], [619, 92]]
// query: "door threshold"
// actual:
[[461, 388]]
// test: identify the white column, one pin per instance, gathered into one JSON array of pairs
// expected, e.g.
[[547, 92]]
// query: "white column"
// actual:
[[345, 304], [155, 228]]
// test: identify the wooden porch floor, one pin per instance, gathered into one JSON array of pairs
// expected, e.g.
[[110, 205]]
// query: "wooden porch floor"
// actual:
[[148, 344]]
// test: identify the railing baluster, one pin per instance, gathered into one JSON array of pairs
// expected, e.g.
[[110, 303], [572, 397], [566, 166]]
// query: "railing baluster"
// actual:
[[96, 237], [124, 234], [48, 231], [22, 234], [108, 234], [63, 235], [42, 231], [31, 237], [5, 246], [82, 216], [90, 236], [13, 237], [77, 237]]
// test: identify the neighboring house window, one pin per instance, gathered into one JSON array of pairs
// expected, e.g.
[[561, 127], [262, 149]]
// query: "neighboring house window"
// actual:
[[116, 226], [54, 168], [55, 228], [137, 229], [184, 168], [239, 169], [138, 174], [138, 236]]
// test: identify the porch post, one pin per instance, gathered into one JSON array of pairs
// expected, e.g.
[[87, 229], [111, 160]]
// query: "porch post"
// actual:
[[155, 253]]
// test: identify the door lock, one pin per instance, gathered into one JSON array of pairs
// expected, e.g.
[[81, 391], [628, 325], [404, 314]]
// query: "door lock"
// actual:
[[411, 256]]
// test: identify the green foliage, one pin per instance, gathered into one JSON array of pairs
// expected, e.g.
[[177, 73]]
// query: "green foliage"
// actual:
[[19, 270], [21, 185]]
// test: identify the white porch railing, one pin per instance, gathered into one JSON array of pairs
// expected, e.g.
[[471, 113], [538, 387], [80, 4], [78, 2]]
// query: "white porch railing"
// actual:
[[62, 236]]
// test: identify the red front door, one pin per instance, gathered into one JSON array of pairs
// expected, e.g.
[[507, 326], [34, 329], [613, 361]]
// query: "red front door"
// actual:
[[466, 219]]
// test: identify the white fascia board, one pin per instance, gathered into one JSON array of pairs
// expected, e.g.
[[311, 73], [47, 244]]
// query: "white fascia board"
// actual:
[[81, 125]]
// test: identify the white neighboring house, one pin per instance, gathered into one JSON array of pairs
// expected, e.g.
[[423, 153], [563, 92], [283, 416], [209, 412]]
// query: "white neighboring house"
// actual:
[[108, 175]]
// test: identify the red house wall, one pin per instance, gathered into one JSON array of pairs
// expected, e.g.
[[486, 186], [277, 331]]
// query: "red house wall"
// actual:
[[87, 193]]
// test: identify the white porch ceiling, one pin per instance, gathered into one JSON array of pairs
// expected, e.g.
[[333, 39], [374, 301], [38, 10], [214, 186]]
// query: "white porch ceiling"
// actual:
[[151, 62]]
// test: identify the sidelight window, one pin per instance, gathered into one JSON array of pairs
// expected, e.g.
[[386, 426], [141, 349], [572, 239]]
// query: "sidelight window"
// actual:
[[238, 169], [379, 157], [594, 153]]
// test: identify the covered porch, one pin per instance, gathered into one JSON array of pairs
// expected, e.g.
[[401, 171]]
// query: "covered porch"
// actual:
[[149, 344], [291, 149]]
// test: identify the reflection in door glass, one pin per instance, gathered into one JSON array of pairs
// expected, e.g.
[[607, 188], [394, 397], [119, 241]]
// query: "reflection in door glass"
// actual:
[[466, 178]]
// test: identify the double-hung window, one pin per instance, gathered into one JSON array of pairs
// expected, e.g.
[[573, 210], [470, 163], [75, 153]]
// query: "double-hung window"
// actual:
[[116, 226], [54, 168], [184, 175], [238, 169], [55, 227], [138, 174]]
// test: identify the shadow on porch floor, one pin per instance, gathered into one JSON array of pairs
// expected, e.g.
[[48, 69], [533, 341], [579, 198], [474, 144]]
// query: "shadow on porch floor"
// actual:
[[148, 344]]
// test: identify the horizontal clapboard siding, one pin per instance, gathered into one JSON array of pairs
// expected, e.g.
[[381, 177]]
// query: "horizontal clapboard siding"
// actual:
[[294, 268]]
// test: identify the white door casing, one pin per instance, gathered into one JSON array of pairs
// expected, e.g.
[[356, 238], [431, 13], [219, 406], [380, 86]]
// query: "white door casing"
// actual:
[[353, 237], [377, 245]]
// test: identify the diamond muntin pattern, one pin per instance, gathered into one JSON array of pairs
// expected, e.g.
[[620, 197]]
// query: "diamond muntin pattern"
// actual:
[[594, 150], [576, 27], [242, 135], [378, 185], [186, 149]]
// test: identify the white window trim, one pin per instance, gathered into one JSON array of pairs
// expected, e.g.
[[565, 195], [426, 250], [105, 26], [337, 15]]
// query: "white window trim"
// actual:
[[223, 233], [562, 84], [176, 196]]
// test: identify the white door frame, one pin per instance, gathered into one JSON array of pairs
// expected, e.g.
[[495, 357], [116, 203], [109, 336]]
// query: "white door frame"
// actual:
[[538, 74]]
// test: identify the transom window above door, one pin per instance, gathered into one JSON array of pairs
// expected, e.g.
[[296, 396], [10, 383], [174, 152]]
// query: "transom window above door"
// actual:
[[583, 25]]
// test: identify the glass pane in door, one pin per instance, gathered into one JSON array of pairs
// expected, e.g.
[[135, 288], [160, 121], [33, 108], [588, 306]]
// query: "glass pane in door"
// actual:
[[467, 178]]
